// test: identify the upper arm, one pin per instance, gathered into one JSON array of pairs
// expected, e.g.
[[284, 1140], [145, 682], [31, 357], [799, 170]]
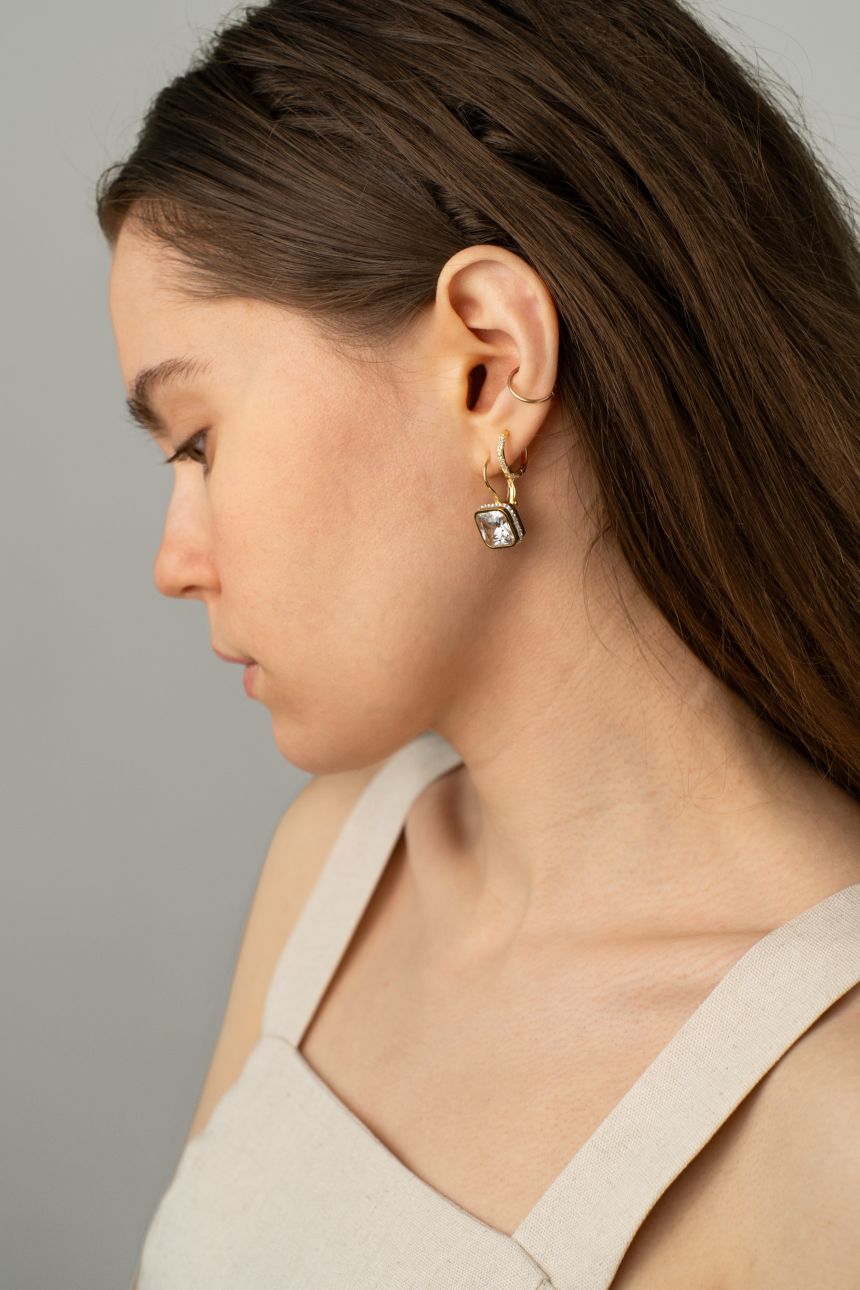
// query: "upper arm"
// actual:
[[298, 852]]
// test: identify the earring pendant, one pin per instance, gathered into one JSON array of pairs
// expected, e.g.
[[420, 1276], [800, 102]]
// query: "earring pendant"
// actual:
[[499, 523]]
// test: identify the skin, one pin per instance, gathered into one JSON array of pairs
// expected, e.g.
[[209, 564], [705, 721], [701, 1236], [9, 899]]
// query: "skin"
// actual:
[[621, 832]]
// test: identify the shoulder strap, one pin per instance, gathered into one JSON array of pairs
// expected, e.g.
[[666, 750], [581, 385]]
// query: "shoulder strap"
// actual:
[[343, 890], [581, 1227]]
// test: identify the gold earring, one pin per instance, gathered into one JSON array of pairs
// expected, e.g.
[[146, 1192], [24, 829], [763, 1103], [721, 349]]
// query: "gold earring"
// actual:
[[499, 522], [522, 398]]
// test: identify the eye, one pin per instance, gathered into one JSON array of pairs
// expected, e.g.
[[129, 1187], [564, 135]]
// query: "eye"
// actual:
[[193, 449]]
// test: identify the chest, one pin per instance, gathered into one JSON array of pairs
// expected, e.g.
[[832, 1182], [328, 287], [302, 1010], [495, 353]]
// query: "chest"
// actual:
[[487, 1094], [482, 1074], [486, 1073]]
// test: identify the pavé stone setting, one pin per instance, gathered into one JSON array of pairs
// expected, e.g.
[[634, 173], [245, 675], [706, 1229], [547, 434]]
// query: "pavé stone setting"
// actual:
[[500, 526]]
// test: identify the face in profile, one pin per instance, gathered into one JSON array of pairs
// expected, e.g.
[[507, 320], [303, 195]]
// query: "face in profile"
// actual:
[[322, 508]]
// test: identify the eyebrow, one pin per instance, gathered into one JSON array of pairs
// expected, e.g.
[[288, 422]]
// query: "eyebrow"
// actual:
[[149, 380]]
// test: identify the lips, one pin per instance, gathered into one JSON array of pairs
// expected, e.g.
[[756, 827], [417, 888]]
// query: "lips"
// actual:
[[233, 658], [251, 666]]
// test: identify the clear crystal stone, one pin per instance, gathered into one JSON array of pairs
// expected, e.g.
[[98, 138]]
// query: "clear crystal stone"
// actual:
[[495, 528]]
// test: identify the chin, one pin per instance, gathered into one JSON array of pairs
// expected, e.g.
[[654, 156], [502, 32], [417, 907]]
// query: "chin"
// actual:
[[348, 741]]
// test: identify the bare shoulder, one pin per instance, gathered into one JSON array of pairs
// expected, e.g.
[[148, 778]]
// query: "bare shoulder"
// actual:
[[806, 1141], [298, 851], [773, 1200]]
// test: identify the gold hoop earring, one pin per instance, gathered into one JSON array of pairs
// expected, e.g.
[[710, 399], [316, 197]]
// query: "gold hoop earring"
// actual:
[[522, 398], [499, 522]]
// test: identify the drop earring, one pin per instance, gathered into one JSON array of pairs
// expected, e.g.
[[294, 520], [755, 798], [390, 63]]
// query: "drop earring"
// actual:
[[499, 522]]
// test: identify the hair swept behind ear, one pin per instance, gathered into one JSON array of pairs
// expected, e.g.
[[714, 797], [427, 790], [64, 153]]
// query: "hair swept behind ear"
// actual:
[[334, 155]]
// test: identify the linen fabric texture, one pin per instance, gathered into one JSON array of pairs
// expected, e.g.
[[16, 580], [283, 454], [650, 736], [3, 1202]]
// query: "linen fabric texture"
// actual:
[[286, 1189]]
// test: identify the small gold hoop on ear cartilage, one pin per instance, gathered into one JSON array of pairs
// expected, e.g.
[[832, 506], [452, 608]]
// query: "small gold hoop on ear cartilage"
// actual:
[[522, 398], [499, 523]]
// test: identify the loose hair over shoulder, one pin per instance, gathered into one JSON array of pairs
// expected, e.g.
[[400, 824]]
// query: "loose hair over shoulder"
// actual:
[[333, 154]]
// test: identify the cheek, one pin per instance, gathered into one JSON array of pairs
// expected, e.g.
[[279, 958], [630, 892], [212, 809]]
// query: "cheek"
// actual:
[[352, 577], [335, 576]]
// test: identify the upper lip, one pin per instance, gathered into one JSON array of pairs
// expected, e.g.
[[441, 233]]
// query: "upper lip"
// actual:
[[233, 658]]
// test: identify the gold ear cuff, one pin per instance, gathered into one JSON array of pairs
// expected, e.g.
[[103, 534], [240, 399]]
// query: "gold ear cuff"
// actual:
[[522, 398]]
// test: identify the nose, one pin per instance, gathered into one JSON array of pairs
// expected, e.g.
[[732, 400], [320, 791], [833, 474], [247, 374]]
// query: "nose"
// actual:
[[184, 567]]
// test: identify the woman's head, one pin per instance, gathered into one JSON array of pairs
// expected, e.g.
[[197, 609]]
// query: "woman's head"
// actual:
[[324, 511], [323, 163]]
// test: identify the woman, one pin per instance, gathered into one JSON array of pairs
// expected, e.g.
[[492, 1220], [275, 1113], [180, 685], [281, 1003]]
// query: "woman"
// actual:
[[563, 993]]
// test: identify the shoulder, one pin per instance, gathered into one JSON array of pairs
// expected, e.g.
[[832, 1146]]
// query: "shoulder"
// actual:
[[807, 1154], [299, 848], [823, 1085], [773, 1200]]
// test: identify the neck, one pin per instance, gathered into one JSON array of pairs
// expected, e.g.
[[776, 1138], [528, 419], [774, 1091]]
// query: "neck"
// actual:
[[615, 784]]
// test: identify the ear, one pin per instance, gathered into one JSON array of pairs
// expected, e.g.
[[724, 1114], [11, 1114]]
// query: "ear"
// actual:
[[494, 314]]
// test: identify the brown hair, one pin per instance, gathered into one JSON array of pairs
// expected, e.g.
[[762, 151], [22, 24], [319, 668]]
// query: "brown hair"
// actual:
[[333, 154]]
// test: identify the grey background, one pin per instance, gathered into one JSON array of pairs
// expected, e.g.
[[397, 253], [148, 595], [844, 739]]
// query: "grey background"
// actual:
[[140, 787]]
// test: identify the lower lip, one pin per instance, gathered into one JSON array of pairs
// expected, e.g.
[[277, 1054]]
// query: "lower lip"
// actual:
[[251, 670]]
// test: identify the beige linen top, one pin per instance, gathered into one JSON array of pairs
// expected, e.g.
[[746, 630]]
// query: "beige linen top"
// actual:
[[287, 1190]]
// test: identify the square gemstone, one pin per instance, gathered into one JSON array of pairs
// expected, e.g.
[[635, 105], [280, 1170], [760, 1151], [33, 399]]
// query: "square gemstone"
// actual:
[[498, 526]]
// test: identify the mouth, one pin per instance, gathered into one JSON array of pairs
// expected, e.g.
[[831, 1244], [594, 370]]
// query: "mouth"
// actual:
[[233, 658], [250, 665], [251, 670]]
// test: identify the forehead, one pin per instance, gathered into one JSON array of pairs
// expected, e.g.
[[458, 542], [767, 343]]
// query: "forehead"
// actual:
[[156, 317], [151, 318], [144, 271]]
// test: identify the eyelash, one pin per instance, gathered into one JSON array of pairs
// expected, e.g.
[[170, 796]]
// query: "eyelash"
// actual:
[[193, 449]]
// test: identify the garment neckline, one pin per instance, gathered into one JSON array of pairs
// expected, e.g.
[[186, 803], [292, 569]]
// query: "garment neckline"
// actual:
[[701, 1009], [766, 1001]]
